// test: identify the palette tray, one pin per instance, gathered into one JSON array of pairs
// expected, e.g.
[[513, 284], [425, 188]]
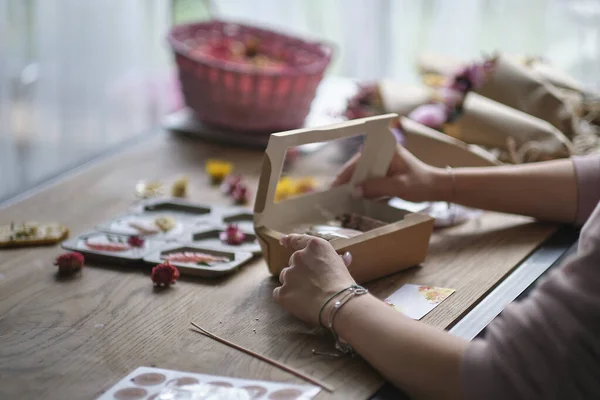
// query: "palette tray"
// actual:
[[166, 225], [155, 383], [194, 260]]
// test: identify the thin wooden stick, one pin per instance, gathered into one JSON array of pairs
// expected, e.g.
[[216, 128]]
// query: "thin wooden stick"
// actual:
[[265, 359]]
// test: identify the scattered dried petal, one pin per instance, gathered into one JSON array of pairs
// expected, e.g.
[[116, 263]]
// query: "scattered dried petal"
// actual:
[[136, 241], [232, 235], [164, 274], [69, 263]]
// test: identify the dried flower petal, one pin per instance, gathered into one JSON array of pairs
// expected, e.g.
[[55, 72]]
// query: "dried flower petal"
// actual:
[[217, 170], [135, 241], [164, 274], [230, 183], [432, 115], [69, 263], [240, 194], [232, 235]]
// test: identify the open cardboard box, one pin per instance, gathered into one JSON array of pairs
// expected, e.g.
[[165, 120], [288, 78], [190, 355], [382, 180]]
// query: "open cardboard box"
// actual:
[[401, 243]]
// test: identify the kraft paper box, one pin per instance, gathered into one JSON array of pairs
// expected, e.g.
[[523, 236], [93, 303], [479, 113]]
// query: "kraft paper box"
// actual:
[[402, 243]]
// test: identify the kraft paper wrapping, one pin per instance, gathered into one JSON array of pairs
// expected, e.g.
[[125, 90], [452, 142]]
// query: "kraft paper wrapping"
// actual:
[[440, 150], [518, 87], [556, 77], [491, 124], [402, 99], [437, 64]]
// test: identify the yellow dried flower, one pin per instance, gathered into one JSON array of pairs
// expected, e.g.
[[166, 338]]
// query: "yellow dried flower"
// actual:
[[179, 188], [217, 170], [285, 188], [304, 185]]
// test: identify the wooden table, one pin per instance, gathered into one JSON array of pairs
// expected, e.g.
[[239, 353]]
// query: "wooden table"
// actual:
[[74, 338]]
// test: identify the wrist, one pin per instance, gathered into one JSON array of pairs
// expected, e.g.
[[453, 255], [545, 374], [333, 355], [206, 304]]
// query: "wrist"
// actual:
[[444, 185], [351, 313]]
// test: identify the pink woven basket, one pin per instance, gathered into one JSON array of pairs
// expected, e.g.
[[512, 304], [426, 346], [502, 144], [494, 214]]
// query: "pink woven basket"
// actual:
[[240, 96]]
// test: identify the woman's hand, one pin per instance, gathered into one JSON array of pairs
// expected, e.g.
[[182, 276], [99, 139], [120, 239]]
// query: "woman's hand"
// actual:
[[315, 273], [408, 178]]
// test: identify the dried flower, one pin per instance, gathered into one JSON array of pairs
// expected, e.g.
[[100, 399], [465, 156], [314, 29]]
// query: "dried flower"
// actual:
[[450, 97], [179, 188], [470, 77], [432, 115], [217, 170], [164, 274], [69, 263], [229, 184], [240, 194], [232, 235], [147, 189], [135, 241], [365, 103], [284, 189], [304, 185]]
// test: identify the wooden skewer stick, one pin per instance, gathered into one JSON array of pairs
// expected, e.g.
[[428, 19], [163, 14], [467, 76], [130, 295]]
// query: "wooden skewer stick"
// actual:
[[265, 359]]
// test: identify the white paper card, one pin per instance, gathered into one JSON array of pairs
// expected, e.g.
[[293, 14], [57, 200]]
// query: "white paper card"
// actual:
[[416, 301]]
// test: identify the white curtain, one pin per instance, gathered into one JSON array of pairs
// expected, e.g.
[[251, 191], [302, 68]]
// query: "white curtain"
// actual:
[[79, 76], [383, 38]]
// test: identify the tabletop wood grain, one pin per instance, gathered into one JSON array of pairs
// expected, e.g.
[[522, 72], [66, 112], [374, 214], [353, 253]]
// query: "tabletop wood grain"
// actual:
[[74, 338]]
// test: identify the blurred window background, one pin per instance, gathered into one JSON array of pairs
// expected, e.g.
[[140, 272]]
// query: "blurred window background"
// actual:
[[78, 78]]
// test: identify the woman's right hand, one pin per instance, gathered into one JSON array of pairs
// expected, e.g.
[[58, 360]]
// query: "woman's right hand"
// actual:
[[408, 178]]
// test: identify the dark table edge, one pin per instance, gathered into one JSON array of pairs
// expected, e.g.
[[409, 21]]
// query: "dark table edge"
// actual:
[[517, 285]]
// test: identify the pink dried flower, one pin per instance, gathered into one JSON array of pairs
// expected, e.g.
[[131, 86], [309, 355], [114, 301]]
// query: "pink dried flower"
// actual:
[[240, 194], [69, 263], [365, 103], [450, 97], [470, 77], [164, 274], [232, 235], [431, 115], [135, 241], [229, 184]]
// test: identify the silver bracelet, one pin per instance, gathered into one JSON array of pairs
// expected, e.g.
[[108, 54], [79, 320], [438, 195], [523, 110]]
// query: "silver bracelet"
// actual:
[[348, 294]]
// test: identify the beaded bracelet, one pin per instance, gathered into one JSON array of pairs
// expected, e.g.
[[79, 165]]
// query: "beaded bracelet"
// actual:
[[352, 291], [333, 296]]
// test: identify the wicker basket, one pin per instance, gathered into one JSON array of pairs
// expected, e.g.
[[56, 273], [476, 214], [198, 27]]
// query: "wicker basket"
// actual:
[[243, 97]]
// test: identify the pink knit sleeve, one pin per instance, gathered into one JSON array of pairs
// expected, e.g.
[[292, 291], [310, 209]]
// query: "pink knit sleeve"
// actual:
[[547, 346], [587, 169]]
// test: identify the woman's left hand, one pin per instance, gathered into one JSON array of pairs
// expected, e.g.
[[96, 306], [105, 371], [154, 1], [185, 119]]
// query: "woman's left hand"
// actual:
[[315, 273]]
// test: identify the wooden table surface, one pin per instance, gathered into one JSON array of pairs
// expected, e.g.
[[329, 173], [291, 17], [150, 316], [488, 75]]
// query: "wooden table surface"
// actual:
[[75, 338]]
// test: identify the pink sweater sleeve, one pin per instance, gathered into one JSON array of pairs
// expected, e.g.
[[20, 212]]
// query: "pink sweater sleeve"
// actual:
[[548, 346], [587, 169]]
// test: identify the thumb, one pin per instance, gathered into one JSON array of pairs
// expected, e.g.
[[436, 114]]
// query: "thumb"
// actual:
[[379, 187]]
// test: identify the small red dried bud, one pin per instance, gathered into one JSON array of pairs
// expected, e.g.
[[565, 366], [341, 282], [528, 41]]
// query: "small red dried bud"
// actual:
[[232, 235], [69, 263], [136, 241], [240, 194], [164, 274]]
